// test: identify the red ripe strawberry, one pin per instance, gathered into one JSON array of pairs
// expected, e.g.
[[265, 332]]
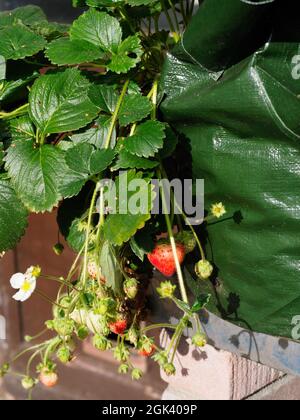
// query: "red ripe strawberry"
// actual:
[[118, 327], [162, 257], [48, 378]]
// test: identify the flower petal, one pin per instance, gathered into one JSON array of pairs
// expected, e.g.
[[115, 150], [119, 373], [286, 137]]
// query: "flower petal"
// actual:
[[21, 296], [17, 280]]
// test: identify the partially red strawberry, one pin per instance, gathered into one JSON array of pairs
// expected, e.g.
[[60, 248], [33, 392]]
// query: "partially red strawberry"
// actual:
[[147, 351], [48, 378], [95, 272], [118, 327], [162, 257]]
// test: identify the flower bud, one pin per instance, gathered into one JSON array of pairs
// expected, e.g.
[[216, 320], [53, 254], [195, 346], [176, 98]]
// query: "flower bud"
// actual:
[[169, 369]]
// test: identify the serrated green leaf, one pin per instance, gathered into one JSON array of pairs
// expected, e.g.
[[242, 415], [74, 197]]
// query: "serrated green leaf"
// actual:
[[18, 42], [63, 51], [78, 158], [147, 140], [122, 225], [2, 68], [104, 97], [98, 28], [50, 30], [97, 134], [170, 144], [127, 56], [13, 217], [28, 15], [201, 302], [142, 243], [103, 3], [12, 88], [59, 102], [21, 129], [36, 174], [134, 108], [137, 3], [100, 160], [128, 161]]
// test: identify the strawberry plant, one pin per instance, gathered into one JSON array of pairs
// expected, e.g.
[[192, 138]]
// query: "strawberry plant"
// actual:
[[80, 111]]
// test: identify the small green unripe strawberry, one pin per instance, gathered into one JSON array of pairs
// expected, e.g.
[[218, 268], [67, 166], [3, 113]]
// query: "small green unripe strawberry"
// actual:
[[166, 289], [188, 240], [123, 368], [204, 269], [63, 354], [169, 369], [101, 343], [82, 332], [28, 383], [131, 288], [63, 326]]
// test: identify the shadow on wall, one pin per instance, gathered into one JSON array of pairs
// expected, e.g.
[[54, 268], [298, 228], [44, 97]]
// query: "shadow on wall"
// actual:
[[58, 10]]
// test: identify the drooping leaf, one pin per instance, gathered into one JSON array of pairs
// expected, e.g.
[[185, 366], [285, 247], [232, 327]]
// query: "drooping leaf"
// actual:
[[134, 108], [12, 88], [98, 28], [133, 207], [18, 42], [84, 159], [28, 15], [110, 268], [142, 242], [63, 51], [36, 174], [59, 102], [126, 160], [147, 140], [13, 217]]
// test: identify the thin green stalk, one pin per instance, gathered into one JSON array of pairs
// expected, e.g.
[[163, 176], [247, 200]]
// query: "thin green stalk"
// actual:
[[19, 111], [115, 115], [173, 244], [162, 325]]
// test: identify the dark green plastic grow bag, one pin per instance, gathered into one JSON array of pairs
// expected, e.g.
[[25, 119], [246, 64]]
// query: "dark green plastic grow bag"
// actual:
[[232, 90]]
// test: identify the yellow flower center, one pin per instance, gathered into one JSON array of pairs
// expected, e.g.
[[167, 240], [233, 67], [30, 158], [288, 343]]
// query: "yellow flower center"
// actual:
[[26, 286]]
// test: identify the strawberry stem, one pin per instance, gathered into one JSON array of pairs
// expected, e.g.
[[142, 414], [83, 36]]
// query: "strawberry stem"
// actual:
[[173, 243]]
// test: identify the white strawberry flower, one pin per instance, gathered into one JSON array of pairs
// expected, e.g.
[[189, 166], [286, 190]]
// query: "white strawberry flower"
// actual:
[[26, 283]]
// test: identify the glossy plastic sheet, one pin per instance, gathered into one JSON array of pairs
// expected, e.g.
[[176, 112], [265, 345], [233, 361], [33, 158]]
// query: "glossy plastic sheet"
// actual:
[[232, 90]]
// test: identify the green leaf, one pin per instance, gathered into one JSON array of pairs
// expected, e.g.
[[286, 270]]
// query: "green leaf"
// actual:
[[11, 88], [127, 56], [18, 42], [147, 140], [200, 302], [50, 30], [21, 129], [170, 144], [103, 3], [104, 97], [100, 160], [2, 68], [59, 102], [78, 158], [97, 134], [36, 174], [98, 28], [87, 161], [28, 15], [110, 268], [63, 51], [134, 108], [128, 161], [122, 225], [13, 217], [142, 243]]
